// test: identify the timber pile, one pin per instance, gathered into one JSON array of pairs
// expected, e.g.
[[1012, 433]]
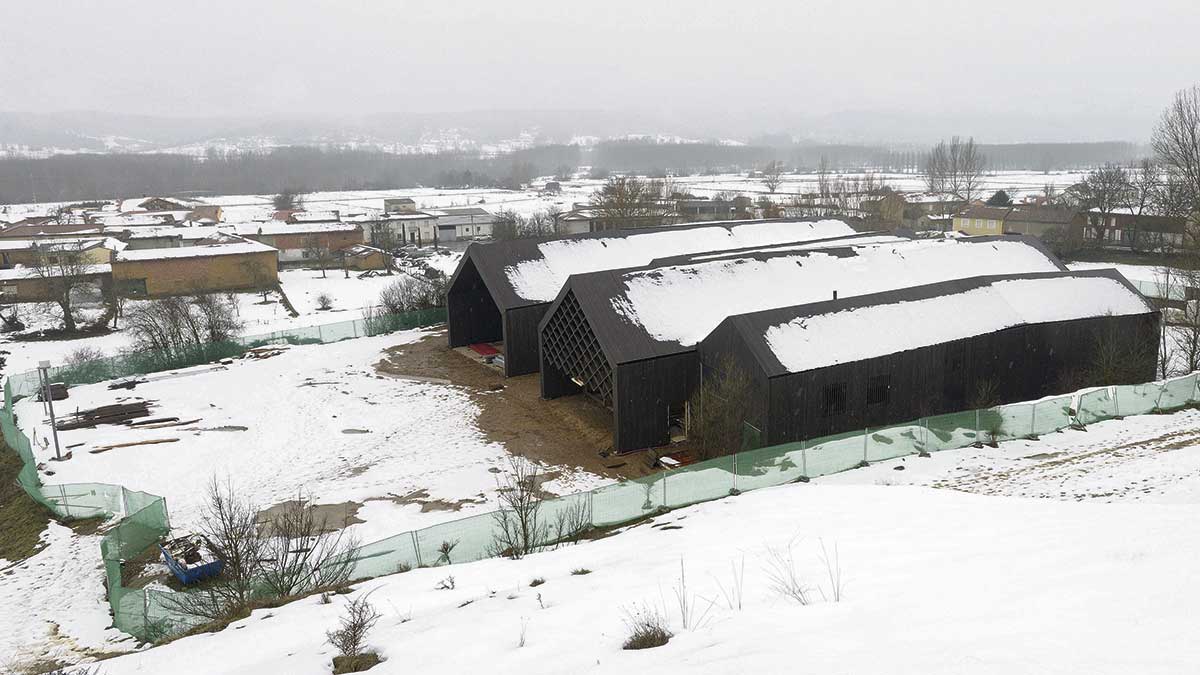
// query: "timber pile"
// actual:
[[115, 413]]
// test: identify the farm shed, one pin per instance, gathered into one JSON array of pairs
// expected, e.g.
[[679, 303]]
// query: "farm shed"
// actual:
[[628, 337], [234, 266], [501, 290], [883, 358]]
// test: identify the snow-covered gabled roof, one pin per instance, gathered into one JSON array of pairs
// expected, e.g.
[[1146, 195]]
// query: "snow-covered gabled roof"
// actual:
[[277, 228], [652, 311], [817, 335], [532, 271], [242, 246]]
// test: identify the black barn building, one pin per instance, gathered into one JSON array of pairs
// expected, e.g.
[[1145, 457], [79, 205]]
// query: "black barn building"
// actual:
[[628, 337], [501, 290], [873, 360]]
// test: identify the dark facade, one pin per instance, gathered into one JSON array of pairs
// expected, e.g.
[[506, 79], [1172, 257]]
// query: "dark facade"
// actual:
[[587, 347], [1019, 363]]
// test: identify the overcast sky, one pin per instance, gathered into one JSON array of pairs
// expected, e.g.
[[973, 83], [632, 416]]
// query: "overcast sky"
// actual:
[[1115, 59]]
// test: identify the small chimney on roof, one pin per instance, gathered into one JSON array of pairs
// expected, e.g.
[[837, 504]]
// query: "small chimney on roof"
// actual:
[[835, 295]]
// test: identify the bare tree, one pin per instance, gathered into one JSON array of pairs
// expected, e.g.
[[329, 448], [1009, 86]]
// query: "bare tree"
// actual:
[[629, 202], [772, 176], [956, 168], [304, 552], [1176, 141], [1140, 199], [62, 268], [519, 527], [317, 250], [182, 324], [1103, 191], [230, 525], [823, 178]]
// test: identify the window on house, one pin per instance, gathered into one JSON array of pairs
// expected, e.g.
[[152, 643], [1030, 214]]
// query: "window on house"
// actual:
[[833, 399], [879, 390]]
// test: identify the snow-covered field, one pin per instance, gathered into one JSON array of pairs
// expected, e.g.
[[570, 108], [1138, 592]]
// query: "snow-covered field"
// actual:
[[245, 208], [932, 582], [316, 421]]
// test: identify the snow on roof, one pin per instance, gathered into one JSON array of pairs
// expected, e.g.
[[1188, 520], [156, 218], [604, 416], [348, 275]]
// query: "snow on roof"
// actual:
[[276, 228], [810, 342], [835, 242], [540, 279], [241, 247], [29, 273], [684, 303], [181, 231]]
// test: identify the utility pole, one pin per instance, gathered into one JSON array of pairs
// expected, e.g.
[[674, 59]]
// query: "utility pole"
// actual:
[[44, 369]]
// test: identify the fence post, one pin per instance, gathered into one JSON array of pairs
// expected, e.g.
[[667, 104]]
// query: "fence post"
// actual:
[[735, 457], [591, 496], [803, 459], [320, 334], [62, 490], [664, 481], [416, 548], [1033, 420], [977, 426], [866, 436]]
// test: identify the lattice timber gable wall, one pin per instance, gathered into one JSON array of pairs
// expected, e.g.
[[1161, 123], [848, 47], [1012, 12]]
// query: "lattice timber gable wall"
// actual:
[[570, 347]]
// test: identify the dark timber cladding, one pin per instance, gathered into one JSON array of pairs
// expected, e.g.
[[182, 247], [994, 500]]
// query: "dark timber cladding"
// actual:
[[590, 344], [484, 305], [1018, 363]]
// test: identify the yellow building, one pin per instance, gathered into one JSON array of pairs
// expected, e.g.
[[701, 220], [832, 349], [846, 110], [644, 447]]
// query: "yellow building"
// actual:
[[981, 220]]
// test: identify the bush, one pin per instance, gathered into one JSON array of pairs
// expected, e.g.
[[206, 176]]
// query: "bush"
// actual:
[[411, 293], [350, 637], [647, 629], [181, 325], [324, 301]]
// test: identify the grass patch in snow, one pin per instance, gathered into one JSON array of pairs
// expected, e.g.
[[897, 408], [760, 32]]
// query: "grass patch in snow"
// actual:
[[23, 519], [580, 571], [355, 664], [647, 629]]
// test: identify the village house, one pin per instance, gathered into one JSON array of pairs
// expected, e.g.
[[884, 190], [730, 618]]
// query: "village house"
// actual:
[[361, 257], [1042, 220], [26, 252], [227, 264], [25, 284], [981, 220], [1124, 229], [302, 242], [459, 223]]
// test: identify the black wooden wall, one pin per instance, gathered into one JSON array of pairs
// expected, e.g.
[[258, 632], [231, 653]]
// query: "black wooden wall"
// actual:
[[472, 315], [1023, 363]]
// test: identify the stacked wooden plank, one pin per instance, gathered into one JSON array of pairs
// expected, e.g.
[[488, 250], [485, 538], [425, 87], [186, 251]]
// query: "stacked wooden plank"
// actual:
[[116, 413]]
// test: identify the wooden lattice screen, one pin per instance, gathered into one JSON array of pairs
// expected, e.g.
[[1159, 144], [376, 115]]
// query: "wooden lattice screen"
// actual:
[[571, 346]]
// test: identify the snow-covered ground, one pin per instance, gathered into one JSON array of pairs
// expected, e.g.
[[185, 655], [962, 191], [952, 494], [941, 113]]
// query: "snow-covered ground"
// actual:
[[932, 582], [316, 421]]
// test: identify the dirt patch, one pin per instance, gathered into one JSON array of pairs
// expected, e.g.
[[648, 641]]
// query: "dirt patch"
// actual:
[[335, 516], [570, 431], [421, 498]]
